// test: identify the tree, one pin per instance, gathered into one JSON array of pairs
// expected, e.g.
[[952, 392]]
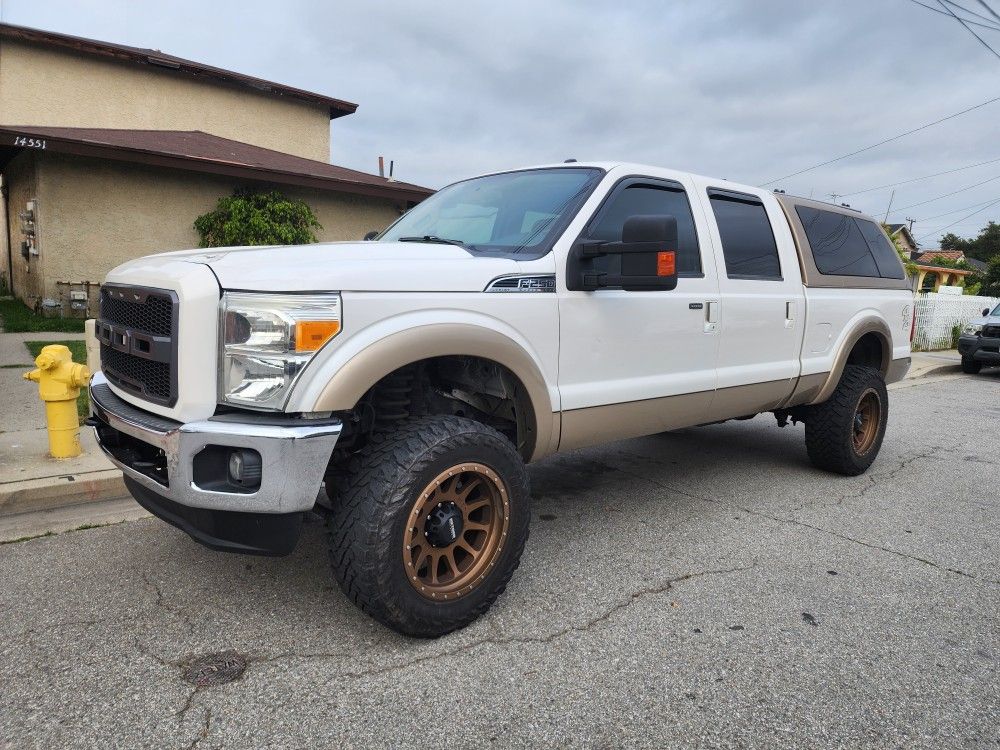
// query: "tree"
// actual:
[[989, 282], [984, 247], [257, 218]]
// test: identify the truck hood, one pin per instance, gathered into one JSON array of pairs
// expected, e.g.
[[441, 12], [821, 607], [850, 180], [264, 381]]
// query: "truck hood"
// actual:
[[350, 266]]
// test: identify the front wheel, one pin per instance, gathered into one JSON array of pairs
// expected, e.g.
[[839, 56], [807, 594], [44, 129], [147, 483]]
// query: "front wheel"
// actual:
[[429, 524], [971, 366], [844, 433]]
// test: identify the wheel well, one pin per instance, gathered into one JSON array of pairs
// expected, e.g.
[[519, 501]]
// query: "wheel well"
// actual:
[[869, 351], [473, 387]]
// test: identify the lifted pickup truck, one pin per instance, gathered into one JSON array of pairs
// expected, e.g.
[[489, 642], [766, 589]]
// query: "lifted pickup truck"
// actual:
[[506, 318]]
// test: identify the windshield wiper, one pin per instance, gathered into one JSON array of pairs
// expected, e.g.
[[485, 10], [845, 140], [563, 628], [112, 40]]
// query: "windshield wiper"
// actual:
[[430, 238]]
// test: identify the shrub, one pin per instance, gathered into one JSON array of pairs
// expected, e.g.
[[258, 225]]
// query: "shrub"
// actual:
[[257, 218]]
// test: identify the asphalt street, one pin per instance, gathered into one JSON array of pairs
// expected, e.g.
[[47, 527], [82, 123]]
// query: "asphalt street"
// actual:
[[704, 588]]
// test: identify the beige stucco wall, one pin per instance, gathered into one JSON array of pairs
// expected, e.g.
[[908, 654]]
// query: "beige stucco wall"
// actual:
[[20, 178], [44, 86], [95, 214]]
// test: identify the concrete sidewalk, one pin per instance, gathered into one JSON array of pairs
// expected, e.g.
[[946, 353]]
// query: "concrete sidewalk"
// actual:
[[31, 481], [923, 364]]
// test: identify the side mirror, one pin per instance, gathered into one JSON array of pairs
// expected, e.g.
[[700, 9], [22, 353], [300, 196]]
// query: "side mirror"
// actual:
[[647, 252], [986, 312], [371, 235]]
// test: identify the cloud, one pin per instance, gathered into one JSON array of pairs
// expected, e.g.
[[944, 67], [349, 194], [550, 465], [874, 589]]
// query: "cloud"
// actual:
[[745, 90]]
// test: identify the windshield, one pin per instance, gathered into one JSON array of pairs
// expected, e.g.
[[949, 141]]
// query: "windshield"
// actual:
[[996, 312], [514, 212]]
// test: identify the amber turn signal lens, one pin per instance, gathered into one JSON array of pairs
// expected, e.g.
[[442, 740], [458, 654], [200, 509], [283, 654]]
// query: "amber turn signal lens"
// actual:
[[310, 335], [666, 263]]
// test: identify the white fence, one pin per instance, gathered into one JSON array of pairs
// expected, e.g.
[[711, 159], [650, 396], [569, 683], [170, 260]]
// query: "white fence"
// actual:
[[938, 314]]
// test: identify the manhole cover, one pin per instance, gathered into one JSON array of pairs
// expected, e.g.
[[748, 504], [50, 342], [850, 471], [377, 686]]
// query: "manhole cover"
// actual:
[[215, 669]]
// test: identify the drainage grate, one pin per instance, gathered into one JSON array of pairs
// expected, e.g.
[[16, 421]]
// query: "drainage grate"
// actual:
[[215, 669]]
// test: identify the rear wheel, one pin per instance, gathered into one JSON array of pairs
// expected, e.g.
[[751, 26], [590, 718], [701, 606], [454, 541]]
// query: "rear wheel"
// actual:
[[971, 366], [844, 433], [428, 526]]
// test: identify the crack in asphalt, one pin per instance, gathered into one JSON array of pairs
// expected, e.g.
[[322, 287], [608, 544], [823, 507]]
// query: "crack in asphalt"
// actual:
[[161, 602], [550, 637], [792, 521]]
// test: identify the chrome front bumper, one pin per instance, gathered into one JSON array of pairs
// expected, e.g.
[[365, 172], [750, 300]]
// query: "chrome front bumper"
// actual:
[[294, 453]]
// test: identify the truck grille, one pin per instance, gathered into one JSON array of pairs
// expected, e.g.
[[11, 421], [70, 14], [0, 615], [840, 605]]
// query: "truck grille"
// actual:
[[138, 335], [991, 331]]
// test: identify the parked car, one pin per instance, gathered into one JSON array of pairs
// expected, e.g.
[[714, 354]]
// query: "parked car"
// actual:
[[505, 318], [979, 343]]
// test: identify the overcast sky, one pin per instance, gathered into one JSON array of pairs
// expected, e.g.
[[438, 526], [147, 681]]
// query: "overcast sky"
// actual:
[[749, 90]]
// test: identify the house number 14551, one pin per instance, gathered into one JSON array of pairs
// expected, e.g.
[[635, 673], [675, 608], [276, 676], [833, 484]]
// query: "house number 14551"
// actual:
[[20, 140]]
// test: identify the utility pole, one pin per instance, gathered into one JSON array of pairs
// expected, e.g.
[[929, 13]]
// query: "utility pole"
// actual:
[[834, 196], [910, 222], [889, 207]]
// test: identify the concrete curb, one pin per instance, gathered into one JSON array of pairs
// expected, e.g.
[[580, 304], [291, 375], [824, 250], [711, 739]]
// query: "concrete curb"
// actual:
[[942, 370], [31, 495]]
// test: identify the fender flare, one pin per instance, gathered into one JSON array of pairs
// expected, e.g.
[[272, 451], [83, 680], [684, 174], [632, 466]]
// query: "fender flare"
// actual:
[[356, 376], [870, 324]]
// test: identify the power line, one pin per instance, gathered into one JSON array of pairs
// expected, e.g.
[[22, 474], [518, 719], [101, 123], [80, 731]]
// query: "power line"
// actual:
[[969, 29], [955, 211], [917, 179], [973, 13], [954, 192], [989, 9], [977, 211], [945, 13], [882, 143]]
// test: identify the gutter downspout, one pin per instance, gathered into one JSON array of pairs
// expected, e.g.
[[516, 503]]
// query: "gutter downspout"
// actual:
[[6, 234]]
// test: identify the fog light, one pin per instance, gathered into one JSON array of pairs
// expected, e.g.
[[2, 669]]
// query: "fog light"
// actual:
[[245, 468]]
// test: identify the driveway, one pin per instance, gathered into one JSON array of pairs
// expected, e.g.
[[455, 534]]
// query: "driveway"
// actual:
[[704, 588]]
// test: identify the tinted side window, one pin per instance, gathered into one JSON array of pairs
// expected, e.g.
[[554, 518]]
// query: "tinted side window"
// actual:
[[747, 238], [640, 200], [886, 257], [838, 247]]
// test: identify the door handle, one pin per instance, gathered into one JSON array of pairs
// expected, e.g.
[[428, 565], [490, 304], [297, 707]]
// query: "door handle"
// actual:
[[711, 317], [789, 314]]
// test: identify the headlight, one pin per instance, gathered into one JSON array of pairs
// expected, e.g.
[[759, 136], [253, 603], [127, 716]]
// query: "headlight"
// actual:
[[266, 341], [973, 328]]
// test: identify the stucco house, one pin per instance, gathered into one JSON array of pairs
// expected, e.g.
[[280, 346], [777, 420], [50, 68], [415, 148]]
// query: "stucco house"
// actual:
[[109, 152]]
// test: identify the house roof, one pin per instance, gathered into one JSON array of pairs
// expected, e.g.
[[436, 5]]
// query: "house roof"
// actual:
[[926, 256], [190, 68], [202, 152], [980, 266]]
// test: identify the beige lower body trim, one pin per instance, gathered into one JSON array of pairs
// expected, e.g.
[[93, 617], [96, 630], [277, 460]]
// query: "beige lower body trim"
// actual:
[[807, 389], [601, 424], [897, 370]]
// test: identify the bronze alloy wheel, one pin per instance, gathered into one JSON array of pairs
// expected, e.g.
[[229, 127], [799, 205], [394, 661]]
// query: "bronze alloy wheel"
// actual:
[[867, 418], [457, 528]]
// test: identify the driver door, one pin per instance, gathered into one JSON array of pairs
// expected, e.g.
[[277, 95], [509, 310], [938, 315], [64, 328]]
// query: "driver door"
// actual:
[[634, 363]]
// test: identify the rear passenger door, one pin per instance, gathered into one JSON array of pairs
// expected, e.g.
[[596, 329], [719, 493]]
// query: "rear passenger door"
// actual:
[[761, 311]]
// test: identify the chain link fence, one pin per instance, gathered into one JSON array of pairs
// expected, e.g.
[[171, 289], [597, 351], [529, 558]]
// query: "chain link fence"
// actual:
[[939, 314]]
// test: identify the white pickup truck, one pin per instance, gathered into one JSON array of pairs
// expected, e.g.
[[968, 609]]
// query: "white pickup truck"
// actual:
[[506, 318]]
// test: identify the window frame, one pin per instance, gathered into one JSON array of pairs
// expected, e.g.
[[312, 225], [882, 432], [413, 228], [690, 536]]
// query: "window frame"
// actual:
[[656, 183], [735, 196]]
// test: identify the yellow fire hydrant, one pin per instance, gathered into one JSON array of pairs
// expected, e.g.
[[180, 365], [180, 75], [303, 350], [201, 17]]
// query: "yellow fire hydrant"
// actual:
[[59, 380]]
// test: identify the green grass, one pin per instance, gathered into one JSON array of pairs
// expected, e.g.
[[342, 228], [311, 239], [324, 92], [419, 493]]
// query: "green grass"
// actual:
[[18, 318], [79, 352]]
